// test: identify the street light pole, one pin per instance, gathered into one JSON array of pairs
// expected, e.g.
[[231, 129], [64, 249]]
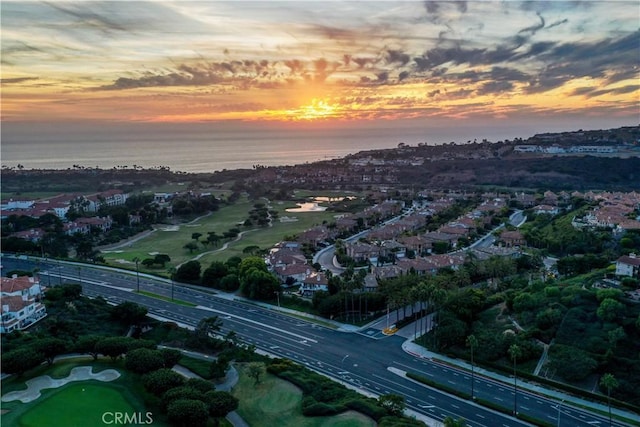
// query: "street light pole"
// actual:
[[559, 407], [343, 359], [136, 260], [515, 389], [278, 297]]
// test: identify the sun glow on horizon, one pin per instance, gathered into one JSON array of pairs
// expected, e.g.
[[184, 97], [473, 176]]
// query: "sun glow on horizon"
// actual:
[[317, 109]]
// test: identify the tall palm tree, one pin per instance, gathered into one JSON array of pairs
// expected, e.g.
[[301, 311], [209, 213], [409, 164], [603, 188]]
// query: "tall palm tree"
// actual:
[[609, 382], [515, 352], [472, 343]]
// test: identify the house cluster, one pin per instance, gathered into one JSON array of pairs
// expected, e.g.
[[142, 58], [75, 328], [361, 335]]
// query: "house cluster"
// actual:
[[615, 210], [20, 300], [387, 247], [398, 238], [289, 264], [557, 149], [60, 206]]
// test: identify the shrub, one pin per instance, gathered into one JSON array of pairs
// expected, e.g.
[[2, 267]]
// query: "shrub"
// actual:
[[312, 408], [158, 382], [188, 413], [143, 360], [369, 407]]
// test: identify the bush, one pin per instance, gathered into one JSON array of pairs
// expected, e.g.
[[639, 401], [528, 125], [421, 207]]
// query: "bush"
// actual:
[[368, 407], [188, 413], [158, 382], [318, 409], [143, 360], [183, 392]]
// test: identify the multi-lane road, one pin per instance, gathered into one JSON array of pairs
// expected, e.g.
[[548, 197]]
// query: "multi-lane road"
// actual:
[[369, 362]]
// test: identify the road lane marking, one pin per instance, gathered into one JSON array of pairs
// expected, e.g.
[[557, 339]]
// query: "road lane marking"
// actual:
[[244, 319], [393, 382]]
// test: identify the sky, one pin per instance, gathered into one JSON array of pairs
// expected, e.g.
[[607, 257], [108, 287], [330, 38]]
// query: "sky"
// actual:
[[328, 63]]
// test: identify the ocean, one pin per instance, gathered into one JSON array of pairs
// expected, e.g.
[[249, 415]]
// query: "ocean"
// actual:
[[200, 147]]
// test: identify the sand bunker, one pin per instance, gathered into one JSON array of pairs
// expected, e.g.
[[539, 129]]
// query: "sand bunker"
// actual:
[[35, 385], [170, 228], [307, 207]]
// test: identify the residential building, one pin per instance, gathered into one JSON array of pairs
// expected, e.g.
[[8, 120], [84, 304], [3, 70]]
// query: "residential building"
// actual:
[[20, 302], [628, 265], [316, 281]]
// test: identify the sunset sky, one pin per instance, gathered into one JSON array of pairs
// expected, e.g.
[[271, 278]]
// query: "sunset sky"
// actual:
[[486, 62]]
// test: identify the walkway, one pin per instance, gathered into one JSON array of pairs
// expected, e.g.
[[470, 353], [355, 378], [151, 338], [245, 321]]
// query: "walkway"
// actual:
[[230, 380]]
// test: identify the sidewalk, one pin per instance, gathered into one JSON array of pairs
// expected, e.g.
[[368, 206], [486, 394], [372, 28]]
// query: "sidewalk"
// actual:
[[421, 352], [230, 380], [342, 327]]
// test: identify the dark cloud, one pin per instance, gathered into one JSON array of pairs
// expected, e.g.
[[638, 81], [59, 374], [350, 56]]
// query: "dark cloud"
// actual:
[[382, 76], [92, 19], [508, 74], [582, 90], [495, 87], [17, 80], [433, 93], [461, 5], [364, 62], [555, 24], [393, 56], [296, 66], [534, 28], [615, 59], [403, 75], [335, 33], [591, 92], [431, 7]]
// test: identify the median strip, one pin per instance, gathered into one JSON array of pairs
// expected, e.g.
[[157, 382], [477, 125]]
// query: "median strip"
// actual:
[[163, 298]]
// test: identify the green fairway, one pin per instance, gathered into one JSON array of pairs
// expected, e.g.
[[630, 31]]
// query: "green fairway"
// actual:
[[77, 405], [171, 239], [275, 402]]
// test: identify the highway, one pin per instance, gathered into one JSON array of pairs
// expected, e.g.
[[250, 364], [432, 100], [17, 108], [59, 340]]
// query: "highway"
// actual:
[[365, 360]]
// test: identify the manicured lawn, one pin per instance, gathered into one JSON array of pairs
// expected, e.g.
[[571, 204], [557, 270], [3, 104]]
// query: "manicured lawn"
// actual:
[[172, 242], [275, 402], [79, 405], [197, 366], [127, 388]]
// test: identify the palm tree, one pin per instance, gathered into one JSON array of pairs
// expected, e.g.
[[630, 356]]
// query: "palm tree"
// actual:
[[609, 382], [515, 352], [472, 343]]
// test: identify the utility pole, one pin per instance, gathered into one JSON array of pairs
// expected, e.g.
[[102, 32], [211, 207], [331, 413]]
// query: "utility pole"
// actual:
[[137, 260], [278, 297]]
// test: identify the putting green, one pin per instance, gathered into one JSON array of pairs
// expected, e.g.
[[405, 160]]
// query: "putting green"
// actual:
[[78, 405]]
